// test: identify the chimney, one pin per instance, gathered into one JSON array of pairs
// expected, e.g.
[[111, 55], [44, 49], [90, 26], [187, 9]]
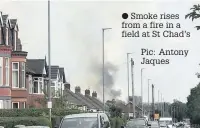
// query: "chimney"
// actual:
[[67, 86], [94, 94], [77, 89], [87, 92]]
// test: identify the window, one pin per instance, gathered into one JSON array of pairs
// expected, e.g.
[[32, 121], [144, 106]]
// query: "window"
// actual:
[[15, 75], [23, 75], [15, 105], [7, 36], [7, 71], [38, 85], [30, 84], [1, 71], [23, 105], [35, 87], [1, 104]]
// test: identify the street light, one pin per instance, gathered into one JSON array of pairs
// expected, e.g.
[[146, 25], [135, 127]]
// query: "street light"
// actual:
[[142, 90], [49, 60], [103, 29]]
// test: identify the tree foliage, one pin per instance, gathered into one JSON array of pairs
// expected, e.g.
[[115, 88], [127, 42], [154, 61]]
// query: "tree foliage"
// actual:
[[178, 110], [193, 105], [194, 14]]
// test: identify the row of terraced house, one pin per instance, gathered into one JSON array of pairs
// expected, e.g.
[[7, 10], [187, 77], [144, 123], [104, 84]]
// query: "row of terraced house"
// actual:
[[23, 80]]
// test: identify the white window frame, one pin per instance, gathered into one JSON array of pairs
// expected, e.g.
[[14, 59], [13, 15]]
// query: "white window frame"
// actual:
[[15, 102], [38, 81], [1, 104], [18, 73], [24, 106], [7, 67], [24, 74], [7, 37], [30, 82], [1, 72]]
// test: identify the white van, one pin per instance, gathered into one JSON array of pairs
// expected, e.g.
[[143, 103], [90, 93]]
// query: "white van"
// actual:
[[86, 120], [166, 120]]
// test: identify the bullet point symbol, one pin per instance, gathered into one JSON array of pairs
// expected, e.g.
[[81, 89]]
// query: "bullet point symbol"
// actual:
[[124, 15]]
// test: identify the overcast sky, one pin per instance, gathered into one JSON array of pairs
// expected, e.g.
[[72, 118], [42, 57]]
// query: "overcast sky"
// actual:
[[76, 37]]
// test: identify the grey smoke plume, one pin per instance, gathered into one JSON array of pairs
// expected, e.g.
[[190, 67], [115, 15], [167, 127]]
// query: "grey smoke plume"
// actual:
[[110, 71]]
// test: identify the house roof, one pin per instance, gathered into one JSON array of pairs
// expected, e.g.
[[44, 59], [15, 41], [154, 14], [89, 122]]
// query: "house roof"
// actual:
[[62, 73], [13, 22], [1, 20], [4, 17], [54, 71], [89, 102], [71, 98], [36, 65], [96, 102], [29, 71]]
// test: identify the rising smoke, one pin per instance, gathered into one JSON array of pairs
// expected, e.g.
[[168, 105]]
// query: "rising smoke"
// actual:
[[110, 71]]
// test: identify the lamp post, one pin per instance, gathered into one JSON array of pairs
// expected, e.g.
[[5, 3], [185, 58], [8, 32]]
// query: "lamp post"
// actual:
[[49, 60], [128, 77], [103, 29], [142, 89]]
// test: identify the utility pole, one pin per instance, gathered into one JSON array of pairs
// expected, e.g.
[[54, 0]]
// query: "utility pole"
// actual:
[[161, 106], [158, 100], [142, 90], [148, 96], [132, 74], [128, 79], [153, 108]]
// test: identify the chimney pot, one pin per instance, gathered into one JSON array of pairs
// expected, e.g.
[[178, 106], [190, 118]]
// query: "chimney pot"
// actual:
[[87, 92], [67, 86], [77, 89], [94, 94]]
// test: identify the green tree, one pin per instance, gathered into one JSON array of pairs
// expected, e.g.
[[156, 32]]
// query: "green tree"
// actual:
[[115, 111], [194, 14], [193, 103], [178, 110]]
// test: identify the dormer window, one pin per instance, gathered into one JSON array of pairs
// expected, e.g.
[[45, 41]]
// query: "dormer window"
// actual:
[[7, 36]]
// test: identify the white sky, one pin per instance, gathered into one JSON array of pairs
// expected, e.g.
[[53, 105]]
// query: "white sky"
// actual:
[[76, 37]]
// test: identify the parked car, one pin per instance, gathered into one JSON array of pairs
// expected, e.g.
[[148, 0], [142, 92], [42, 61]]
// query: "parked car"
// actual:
[[85, 120], [163, 125], [155, 124], [136, 123]]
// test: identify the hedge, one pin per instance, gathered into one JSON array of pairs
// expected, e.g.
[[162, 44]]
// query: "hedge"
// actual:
[[116, 122], [36, 112], [10, 122]]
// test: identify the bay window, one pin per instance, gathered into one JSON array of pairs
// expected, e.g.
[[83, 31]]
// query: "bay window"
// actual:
[[7, 71], [1, 104], [1, 71], [15, 74], [38, 85], [23, 75]]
